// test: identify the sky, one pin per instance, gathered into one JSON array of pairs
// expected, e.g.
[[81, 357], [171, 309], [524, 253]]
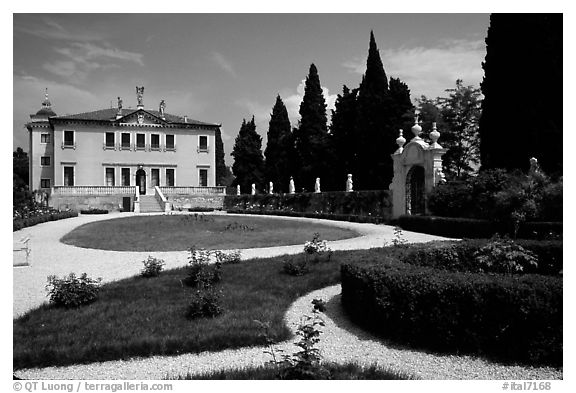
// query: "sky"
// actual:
[[222, 68]]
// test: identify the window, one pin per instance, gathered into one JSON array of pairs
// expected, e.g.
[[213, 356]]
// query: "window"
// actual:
[[44, 183], [203, 143], [140, 141], [44, 138], [169, 142], [110, 140], [155, 141], [155, 174], [125, 141], [45, 161], [69, 176], [203, 177], [125, 176], [169, 177], [68, 138], [109, 176]]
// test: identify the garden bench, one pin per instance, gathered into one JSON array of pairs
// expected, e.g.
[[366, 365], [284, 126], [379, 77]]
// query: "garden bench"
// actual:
[[21, 252]]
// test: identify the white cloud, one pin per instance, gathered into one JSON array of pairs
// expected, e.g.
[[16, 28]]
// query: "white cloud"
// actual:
[[429, 71], [223, 63], [293, 101], [49, 28]]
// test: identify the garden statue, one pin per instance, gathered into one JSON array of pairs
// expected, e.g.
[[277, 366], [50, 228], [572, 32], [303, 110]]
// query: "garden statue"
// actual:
[[291, 188], [140, 96], [238, 189], [253, 189], [119, 105], [349, 184], [317, 185], [162, 108], [271, 189], [534, 166]]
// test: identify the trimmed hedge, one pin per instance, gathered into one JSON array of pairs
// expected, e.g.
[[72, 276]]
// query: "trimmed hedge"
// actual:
[[357, 203], [472, 228], [324, 216], [201, 209], [94, 211], [19, 223], [511, 318]]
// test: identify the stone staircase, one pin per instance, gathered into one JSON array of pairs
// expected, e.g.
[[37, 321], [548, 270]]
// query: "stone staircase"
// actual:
[[149, 204]]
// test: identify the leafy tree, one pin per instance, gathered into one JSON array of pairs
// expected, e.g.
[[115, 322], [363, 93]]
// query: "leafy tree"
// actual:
[[521, 116], [428, 113], [279, 147], [311, 138], [20, 164], [345, 141], [21, 195], [460, 114], [248, 164], [220, 163]]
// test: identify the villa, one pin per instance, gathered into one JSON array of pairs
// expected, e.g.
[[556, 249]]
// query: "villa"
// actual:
[[123, 159]]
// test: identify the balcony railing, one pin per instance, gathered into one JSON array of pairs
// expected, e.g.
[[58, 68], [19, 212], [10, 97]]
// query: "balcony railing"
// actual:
[[93, 190], [191, 190]]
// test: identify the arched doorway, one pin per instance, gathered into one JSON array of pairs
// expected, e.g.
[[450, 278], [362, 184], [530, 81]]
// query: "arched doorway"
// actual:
[[141, 180], [415, 204]]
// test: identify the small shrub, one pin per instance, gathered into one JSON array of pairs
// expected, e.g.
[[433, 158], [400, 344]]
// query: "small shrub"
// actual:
[[228, 258], [319, 305], [295, 266], [94, 211], [234, 226], [317, 248], [72, 291], [205, 303], [503, 255], [152, 267], [201, 273]]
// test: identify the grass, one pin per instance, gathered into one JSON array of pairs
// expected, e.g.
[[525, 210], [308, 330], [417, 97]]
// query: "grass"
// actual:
[[180, 232], [337, 372]]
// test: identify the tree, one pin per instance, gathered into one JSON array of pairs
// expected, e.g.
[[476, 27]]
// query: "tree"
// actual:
[[20, 164], [311, 138], [460, 113], [522, 87], [248, 164], [279, 147], [344, 138], [402, 109], [21, 195], [220, 163]]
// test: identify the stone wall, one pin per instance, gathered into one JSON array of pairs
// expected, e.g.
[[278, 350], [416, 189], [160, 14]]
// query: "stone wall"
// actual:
[[183, 202], [85, 202]]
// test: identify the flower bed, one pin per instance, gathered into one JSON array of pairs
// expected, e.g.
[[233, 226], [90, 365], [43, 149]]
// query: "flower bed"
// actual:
[[30, 218]]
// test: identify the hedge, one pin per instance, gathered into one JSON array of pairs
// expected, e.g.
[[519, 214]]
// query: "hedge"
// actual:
[[472, 228], [94, 211], [324, 216], [510, 318], [19, 223], [356, 203]]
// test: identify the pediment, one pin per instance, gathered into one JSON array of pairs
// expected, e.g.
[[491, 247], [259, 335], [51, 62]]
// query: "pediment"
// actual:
[[141, 117]]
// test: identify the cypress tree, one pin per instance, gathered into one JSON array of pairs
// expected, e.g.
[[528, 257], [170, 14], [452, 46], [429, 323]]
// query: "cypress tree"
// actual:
[[278, 148], [311, 139], [521, 117], [221, 171], [402, 109], [248, 164], [342, 131]]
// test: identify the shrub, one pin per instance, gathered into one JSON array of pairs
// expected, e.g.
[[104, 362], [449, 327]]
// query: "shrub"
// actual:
[[516, 318], [200, 272], [152, 267], [94, 211], [29, 219], [505, 256], [205, 303], [72, 291], [231, 257], [295, 266], [317, 248]]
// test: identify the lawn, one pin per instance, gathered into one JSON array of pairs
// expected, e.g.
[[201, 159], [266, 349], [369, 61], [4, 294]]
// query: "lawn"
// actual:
[[180, 232]]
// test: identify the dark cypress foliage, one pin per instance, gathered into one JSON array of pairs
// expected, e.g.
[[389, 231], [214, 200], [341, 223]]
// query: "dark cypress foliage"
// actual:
[[221, 171], [522, 118], [343, 134], [402, 109], [311, 136], [248, 164], [374, 125], [278, 148]]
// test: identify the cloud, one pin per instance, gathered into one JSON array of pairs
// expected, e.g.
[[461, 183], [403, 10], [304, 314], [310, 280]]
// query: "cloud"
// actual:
[[49, 28], [292, 102], [83, 58], [223, 63], [430, 71]]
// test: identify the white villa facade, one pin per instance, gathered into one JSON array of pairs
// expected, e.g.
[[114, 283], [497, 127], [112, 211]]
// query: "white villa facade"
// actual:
[[99, 159]]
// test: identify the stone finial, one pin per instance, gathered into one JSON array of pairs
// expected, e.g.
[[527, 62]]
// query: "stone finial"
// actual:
[[434, 135], [238, 189], [271, 188], [400, 141], [140, 97], [291, 187], [253, 189], [349, 184], [416, 129], [317, 185]]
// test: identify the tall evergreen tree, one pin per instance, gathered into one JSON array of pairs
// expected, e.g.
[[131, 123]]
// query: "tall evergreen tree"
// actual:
[[278, 148], [374, 126], [343, 135], [311, 139], [521, 116], [220, 163], [248, 164], [402, 109]]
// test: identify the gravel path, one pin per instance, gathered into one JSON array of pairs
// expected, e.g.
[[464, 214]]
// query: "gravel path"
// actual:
[[341, 341]]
